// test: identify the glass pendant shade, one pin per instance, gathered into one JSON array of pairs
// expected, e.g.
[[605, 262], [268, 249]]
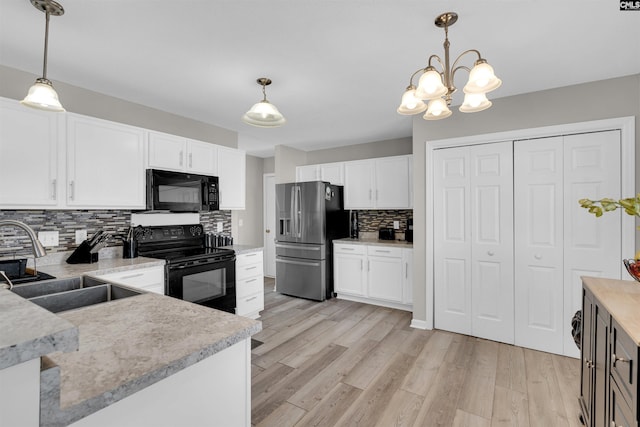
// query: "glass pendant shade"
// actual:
[[430, 85], [437, 109], [43, 97], [482, 79], [410, 104], [264, 114], [474, 102]]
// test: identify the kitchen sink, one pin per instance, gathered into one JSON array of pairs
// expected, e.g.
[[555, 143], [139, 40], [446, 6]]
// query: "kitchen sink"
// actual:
[[63, 295]]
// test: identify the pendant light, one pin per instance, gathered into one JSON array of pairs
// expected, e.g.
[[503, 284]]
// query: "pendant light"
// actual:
[[42, 95], [437, 87], [264, 114]]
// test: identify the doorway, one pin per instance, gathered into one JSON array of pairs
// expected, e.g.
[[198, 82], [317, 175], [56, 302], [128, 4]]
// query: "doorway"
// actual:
[[269, 215]]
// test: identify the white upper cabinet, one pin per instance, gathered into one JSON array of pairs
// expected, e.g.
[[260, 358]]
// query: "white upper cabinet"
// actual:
[[105, 164], [232, 178], [333, 173], [383, 183], [29, 148], [307, 173], [176, 153]]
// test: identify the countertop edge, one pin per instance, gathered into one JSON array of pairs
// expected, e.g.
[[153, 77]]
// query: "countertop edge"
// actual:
[[377, 242], [60, 336], [243, 249], [53, 416]]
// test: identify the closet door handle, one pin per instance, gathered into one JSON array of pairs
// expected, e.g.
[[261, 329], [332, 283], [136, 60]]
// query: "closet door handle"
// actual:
[[537, 256], [490, 253]]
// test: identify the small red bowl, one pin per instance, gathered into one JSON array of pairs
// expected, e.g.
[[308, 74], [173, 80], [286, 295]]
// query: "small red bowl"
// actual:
[[633, 267]]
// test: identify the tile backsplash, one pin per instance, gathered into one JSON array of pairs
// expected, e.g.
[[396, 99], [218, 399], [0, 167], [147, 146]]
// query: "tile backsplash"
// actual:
[[14, 242], [373, 220]]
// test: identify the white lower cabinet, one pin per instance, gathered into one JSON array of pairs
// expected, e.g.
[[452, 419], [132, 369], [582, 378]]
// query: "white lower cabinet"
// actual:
[[149, 279], [249, 284], [373, 274]]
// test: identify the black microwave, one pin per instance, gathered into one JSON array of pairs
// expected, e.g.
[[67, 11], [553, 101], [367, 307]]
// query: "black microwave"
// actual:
[[181, 192]]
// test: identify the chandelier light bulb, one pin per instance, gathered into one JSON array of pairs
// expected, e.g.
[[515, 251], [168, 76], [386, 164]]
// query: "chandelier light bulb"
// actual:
[[430, 85], [437, 109], [410, 104], [474, 102], [482, 79]]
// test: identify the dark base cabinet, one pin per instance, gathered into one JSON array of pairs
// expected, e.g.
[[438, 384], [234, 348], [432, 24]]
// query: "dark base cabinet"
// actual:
[[609, 372]]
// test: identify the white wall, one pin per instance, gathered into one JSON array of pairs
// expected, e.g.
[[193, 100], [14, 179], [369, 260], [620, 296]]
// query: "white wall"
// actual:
[[605, 99]]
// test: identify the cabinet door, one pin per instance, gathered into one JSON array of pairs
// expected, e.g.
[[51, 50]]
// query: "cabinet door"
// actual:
[[407, 259], [105, 164], [392, 183], [333, 173], [231, 173], [358, 189], [491, 202], [29, 146], [385, 276], [538, 209], [349, 274], [307, 173], [202, 158], [586, 371], [167, 152]]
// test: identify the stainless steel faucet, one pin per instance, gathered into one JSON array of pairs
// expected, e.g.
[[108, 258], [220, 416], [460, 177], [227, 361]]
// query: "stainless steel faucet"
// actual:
[[38, 249]]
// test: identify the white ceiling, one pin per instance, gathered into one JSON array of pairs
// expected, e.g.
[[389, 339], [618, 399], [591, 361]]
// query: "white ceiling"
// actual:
[[339, 67]]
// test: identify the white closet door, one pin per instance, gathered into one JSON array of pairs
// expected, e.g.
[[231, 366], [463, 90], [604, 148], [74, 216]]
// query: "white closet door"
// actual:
[[452, 240], [492, 241], [538, 209], [592, 246]]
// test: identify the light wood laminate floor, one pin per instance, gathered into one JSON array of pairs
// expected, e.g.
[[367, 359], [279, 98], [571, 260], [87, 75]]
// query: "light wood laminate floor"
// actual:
[[341, 363]]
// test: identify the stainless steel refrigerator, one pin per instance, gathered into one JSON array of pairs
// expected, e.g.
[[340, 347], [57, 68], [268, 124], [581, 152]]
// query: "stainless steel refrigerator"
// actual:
[[309, 216]]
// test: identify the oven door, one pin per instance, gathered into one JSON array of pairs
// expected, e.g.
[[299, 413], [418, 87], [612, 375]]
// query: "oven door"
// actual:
[[204, 282]]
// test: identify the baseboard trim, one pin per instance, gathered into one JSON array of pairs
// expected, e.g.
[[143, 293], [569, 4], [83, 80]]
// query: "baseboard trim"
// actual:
[[419, 324]]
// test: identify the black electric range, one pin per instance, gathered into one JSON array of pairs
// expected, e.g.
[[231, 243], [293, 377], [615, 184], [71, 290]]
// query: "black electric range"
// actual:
[[193, 272]]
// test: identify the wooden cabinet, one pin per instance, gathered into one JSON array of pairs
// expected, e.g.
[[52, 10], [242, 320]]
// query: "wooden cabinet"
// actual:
[[171, 152], [232, 176], [383, 183], [609, 353], [29, 147], [105, 164], [148, 279], [373, 274], [249, 284]]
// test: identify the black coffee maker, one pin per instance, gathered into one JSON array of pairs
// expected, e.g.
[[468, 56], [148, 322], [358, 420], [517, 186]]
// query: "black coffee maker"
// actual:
[[353, 225]]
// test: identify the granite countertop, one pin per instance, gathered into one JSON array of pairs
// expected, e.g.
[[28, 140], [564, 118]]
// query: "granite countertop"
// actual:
[[29, 331], [243, 249], [621, 298], [377, 242], [126, 345], [103, 266]]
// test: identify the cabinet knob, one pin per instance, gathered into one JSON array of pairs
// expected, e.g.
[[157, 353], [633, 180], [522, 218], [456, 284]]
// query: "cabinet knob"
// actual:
[[537, 256], [490, 253], [267, 231], [617, 359]]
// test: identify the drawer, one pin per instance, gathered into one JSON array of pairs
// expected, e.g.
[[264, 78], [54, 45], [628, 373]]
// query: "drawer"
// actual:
[[624, 363], [342, 248], [384, 251], [140, 278], [248, 258], [249, 286], [249, 270], [620, 413], [250, 304]]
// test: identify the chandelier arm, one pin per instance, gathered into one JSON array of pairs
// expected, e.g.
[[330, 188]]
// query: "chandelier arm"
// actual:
[[414, 74], [463, 54], [461, 67], [437, 58]]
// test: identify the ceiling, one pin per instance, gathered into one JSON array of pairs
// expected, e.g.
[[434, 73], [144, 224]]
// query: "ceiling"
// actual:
[[339, 67]]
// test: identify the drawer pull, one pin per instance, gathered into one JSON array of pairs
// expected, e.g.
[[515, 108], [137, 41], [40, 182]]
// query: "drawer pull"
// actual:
[[250, 268], [250, 299], [382, 252], [347, 249], [251, 280], [617, 359]]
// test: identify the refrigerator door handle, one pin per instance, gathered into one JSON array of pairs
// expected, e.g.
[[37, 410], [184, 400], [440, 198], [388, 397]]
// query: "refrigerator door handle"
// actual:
[[314, 264], [298, 220], [292, 208], [310, 248]]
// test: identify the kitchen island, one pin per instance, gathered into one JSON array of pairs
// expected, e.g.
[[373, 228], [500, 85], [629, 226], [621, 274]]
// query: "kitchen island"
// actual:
[[143, 360]]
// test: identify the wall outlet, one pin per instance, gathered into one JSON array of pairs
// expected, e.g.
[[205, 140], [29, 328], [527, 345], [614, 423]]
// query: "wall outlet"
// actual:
[[49, 238], [81, 236], [219, 226], [396, 224]]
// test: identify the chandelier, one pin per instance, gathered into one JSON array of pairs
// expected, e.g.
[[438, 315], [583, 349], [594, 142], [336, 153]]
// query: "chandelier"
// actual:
[[437, 86]]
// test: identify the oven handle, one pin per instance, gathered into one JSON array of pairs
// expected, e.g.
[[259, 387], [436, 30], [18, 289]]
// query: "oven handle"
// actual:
[[315, 264], [199, 264]]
